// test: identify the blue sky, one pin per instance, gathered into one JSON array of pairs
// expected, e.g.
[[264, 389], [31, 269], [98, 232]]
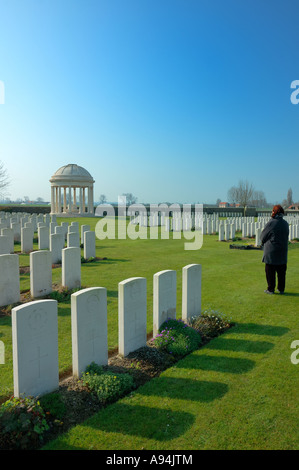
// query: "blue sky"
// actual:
[[171, 100]]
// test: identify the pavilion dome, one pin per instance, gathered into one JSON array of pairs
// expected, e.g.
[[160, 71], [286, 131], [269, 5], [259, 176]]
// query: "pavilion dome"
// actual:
[[72, 172]]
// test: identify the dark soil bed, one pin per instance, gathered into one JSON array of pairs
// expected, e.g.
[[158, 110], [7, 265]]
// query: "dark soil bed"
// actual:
[[143, 364], [245, 247]]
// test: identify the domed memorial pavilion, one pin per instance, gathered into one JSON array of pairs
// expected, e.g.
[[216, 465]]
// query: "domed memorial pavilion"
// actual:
[[72, 191]]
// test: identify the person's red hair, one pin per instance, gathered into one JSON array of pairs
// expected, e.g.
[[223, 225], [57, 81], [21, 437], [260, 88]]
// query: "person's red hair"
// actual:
[[278, 209]]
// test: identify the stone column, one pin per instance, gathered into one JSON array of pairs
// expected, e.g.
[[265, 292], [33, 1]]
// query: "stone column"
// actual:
[[52, 199], [75, 201], [70, 199], [91, 200], [59, 200], [64, 199], [56, 199], [83, 199], [80, 201]]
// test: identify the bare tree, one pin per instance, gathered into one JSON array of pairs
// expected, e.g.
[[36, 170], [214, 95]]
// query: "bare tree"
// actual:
[[130, 199], [259, 199], [103, 199], [289, 200], [241, 194], [233, 195], [290, 197], [4, 179]]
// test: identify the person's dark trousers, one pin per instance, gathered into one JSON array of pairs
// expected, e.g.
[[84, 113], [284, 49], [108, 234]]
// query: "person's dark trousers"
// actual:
[[271, 270]]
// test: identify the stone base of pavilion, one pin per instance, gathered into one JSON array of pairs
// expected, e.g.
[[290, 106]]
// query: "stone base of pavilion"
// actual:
[[72, 214]]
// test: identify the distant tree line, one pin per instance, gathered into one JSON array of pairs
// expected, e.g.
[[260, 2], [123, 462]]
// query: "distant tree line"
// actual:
[[246, 195], [289, 200]]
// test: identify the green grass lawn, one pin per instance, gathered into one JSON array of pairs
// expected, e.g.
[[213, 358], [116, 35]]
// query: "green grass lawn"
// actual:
[[237, 392]]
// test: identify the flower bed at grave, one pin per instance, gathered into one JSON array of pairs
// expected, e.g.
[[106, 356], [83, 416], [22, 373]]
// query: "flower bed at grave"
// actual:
[[76, 400]]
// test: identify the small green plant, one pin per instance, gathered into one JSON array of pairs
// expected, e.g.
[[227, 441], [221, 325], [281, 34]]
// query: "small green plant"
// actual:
[[135, 365], [22, 423], [63, 294], [53, 404], [211, 323], [177, 338], [88, 260], [94, 368], [108, 386]]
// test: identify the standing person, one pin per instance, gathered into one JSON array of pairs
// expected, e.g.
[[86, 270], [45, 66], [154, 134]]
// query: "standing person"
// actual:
[[275, 238]]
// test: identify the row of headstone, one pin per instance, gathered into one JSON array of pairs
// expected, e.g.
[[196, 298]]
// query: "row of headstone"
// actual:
[[35, 326], [176, 223], [211, 224], [40, 272], [52, 237], [18, 220]]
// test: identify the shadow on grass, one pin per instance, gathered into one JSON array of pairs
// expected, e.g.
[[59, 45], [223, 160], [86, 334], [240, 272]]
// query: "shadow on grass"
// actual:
[[5, 320], [65, 310], [231, 365], [112, 293], [142, 421], [186, 389], [258, 329], [114, 260], [240, 345]]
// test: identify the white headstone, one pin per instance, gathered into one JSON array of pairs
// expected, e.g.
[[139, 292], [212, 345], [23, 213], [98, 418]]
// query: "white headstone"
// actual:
[[43, 238], [4, 245], [26, 240], [47, 219], [9, 279], [71, 267], [35, 348], [73, 239], [2, 352], [65, 225], [75, 224], [232, 231], [40, 273], [257, 237], [29, 225], [73, 228], [59, 229], [52, 227], [16, 227], [191, 291], [221, 232], [56, 246], [89, 245], [164, 298], [84, 228], [131, 315], [226, 231], [89, 328]]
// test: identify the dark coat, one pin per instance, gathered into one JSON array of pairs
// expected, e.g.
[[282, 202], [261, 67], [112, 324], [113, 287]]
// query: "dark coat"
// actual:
[[275, 239]]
